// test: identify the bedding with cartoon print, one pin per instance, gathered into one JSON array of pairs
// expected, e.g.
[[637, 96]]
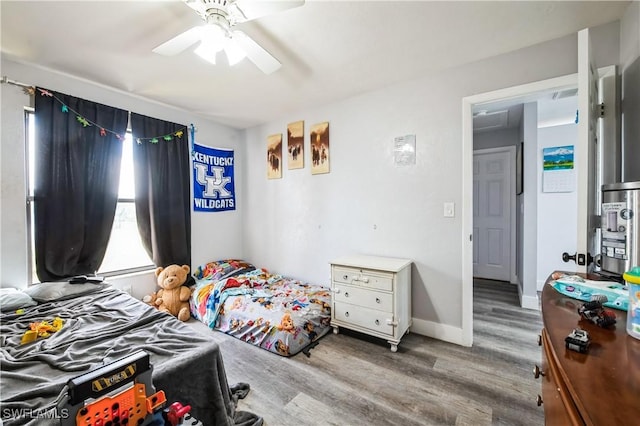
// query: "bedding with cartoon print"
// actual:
[[276, 313]]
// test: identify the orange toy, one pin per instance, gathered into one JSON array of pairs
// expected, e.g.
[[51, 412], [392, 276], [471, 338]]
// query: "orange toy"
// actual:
[[41, 329]]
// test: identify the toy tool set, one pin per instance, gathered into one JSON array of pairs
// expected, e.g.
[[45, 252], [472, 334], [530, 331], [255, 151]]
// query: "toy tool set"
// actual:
[[121, 393]]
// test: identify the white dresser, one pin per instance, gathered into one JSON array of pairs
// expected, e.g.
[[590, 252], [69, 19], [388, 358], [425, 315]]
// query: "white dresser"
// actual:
[[372, 295]]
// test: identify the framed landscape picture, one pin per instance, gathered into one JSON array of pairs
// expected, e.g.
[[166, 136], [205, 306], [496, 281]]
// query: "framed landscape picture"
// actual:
[[319, 138], [295, 145], [274, 156]]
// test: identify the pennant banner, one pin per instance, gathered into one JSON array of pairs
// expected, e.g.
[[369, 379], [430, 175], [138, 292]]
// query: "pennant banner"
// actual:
[[213, 186], [103, 130]]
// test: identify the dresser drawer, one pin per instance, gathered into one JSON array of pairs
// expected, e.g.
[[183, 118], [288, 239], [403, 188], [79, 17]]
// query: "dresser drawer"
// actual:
[[559, 407], [363, 317], [363, 297], [363, 277]]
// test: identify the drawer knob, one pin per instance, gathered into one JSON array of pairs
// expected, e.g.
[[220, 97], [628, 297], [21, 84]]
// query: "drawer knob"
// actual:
[[539, 340], [539, 400], [345, 277], [346, 314], [537, 372], [377, 300], [346, 294], [377, 322]]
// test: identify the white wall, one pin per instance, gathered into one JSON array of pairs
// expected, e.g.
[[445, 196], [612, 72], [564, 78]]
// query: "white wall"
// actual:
[[366, 204], [520, 216], [214, 235], [527, 290], [13, 236], [630, 35], [556, 231], [630, 102]]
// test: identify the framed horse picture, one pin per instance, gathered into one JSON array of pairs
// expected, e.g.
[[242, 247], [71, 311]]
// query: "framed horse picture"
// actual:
[[274, 156], [319, 138], [295, 145]]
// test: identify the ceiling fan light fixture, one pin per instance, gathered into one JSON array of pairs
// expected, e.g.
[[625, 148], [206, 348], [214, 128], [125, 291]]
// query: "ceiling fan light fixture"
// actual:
[[206, 52], [214, 36], [218, 33], [213, 41], [234, 52]]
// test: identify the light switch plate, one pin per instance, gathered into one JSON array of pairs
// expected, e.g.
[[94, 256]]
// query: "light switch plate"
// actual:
[[449, 209]]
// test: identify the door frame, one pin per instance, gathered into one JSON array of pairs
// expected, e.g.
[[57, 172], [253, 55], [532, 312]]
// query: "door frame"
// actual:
[[468, 102], [511, 150]]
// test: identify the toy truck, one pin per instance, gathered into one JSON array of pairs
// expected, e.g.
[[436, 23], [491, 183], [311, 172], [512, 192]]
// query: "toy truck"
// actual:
[[595, 312]]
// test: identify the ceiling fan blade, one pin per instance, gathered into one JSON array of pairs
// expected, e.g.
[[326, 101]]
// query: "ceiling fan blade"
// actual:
[[256, 54], [179, 42], [252, 9]]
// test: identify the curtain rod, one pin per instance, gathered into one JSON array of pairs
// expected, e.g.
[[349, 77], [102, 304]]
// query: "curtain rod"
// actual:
[[15, 83]]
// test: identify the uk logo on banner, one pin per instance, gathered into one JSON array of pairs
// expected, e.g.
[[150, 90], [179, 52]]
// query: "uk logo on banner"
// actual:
[[213, 189]]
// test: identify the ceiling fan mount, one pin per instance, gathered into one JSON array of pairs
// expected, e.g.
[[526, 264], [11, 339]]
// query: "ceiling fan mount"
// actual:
[[218, 32], [214, 17], [219, 12]]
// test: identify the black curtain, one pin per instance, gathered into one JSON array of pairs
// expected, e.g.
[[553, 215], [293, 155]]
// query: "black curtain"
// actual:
[[163, 193], [76, 183]]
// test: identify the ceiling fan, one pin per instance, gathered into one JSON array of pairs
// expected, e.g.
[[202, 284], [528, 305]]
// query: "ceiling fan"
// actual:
[[218, 32]]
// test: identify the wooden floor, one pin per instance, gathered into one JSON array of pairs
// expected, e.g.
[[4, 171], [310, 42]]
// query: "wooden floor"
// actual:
[[352, 379]]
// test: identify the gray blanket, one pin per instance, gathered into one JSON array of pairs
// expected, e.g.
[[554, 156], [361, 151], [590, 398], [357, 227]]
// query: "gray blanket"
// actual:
[[100, 328]]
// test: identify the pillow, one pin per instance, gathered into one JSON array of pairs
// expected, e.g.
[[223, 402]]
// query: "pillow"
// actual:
[[12, 299], [61, 290], [220, 269]]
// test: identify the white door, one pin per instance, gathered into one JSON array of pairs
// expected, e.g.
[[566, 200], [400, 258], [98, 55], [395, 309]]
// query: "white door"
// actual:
[[492, 192], [585, 154]]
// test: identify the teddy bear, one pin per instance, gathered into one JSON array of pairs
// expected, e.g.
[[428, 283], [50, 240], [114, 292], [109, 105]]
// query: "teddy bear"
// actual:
[[150, 299], [173, 297]]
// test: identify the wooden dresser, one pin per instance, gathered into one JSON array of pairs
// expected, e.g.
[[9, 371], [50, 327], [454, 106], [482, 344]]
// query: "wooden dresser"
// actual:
[[601, 387], [372, 295]]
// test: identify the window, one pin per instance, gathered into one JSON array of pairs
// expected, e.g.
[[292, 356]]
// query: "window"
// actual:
[[125, 252]]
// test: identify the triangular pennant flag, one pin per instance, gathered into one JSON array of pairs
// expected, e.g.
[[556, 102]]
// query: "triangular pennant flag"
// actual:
[[44, 92], [83, 121]]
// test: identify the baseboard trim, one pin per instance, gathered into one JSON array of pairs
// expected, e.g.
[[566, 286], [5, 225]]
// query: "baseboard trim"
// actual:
[[438, 331], [529, 302]]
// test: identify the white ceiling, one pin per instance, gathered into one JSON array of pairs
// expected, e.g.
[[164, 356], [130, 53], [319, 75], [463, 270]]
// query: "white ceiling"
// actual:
[[329, 50], [494, 117]]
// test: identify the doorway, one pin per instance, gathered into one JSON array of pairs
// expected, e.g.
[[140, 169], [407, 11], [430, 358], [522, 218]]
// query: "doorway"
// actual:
[[527, 207]]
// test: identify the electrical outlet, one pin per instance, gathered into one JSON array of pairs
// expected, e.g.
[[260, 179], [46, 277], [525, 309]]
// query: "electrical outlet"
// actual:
[[449, 209]]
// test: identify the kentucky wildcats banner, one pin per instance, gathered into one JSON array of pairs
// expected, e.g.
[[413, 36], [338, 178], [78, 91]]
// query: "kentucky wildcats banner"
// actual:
[[213, 179]]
